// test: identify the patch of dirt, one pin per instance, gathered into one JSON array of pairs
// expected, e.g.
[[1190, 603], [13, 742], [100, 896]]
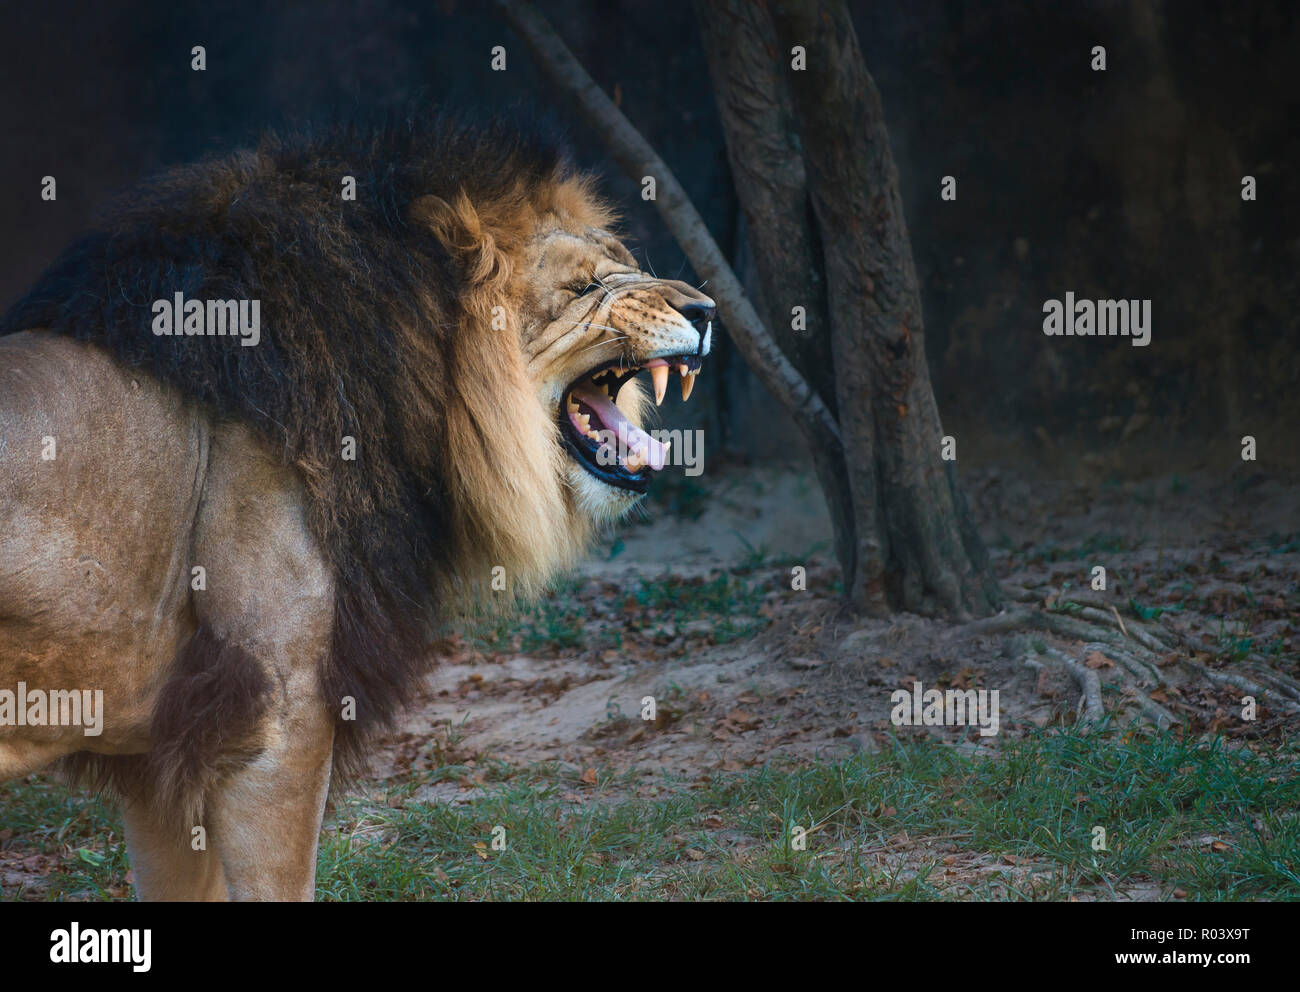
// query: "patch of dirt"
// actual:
[[1222, 554], [747, 513]]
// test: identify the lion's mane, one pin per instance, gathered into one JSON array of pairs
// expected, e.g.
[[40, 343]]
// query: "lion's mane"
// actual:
[[376, 325]]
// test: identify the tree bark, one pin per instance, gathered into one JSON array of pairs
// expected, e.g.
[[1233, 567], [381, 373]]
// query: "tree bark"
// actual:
[[903, 533], [916, 546], [771, 184]]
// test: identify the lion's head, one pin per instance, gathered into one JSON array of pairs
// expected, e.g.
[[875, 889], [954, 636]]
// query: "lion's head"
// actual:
[[552, 279], [591, 320]]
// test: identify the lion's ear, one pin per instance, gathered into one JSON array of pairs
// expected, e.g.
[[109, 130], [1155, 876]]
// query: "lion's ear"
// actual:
[[439, 216], [458, 226]]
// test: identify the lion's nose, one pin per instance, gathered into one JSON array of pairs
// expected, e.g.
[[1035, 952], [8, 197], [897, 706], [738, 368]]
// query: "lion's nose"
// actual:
[[700, 315]]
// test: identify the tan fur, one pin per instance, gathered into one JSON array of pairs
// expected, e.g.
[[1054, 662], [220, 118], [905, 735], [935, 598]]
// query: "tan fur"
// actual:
[[96, 546]]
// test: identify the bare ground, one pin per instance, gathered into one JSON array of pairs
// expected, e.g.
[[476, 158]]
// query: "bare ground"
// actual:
[[1223, 554]]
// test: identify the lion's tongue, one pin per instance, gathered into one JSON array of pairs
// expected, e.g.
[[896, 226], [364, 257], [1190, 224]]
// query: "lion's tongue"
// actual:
[[634, 439]]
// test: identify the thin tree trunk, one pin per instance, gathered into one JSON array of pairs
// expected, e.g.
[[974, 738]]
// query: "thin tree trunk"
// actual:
[[922, 553], [768, 171]]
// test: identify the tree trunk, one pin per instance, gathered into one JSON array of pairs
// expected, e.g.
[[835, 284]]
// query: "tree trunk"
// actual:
[[768, 171], [916, 547], [903, 534]]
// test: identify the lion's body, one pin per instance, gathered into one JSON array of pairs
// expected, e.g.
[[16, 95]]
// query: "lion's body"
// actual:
[[197, 543], [95, 579]]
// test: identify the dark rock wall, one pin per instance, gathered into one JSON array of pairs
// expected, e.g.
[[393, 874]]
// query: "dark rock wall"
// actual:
[[1117, 184]]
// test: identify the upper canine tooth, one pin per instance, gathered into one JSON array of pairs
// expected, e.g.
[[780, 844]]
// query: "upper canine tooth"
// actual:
[[660, 376], [687, 385], [683, 369]]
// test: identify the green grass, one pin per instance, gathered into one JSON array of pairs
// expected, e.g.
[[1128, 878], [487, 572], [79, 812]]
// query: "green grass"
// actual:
[[1216, 822], [1092, 546], [573, 615], [83, 833], [1038, 801]]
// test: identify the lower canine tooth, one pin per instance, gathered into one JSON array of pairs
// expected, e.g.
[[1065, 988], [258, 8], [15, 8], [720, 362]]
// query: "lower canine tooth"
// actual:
[[572, 405], [585, 420]]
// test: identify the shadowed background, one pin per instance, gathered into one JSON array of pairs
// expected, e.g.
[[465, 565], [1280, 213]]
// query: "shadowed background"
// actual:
[[1117, 184]]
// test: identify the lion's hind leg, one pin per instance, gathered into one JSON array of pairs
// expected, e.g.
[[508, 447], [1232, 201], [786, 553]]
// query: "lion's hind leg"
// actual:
[[171, 863], [19, 757]]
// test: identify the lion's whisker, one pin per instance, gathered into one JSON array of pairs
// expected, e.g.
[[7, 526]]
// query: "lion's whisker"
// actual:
[[609, 293], [599, 327], [621, 337]]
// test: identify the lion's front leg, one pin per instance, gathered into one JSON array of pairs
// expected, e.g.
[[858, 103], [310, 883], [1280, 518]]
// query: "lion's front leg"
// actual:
[[260, 826], [266, 817], [270, 596], [252, 833]]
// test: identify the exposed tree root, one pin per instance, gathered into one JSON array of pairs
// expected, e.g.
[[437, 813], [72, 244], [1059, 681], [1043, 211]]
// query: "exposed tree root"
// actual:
[[1218, 677], [1133, 647], [1287, 686], [1143, 635], [1089, 683], [1157, 714], [1145, 674]]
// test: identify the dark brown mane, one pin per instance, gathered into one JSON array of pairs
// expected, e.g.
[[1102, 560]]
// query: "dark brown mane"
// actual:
[[363, 336]]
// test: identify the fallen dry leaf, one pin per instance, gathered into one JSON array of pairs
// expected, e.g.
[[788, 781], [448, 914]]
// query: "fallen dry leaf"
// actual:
[[743, 719]]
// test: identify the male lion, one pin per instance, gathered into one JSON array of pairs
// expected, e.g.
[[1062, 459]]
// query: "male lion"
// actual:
[[244, 545]]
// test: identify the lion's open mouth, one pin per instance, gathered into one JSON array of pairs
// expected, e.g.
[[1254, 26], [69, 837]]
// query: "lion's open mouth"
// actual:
[[601, 437]]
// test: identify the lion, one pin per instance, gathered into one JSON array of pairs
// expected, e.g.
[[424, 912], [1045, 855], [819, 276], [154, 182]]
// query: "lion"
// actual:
[[234, 543]]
